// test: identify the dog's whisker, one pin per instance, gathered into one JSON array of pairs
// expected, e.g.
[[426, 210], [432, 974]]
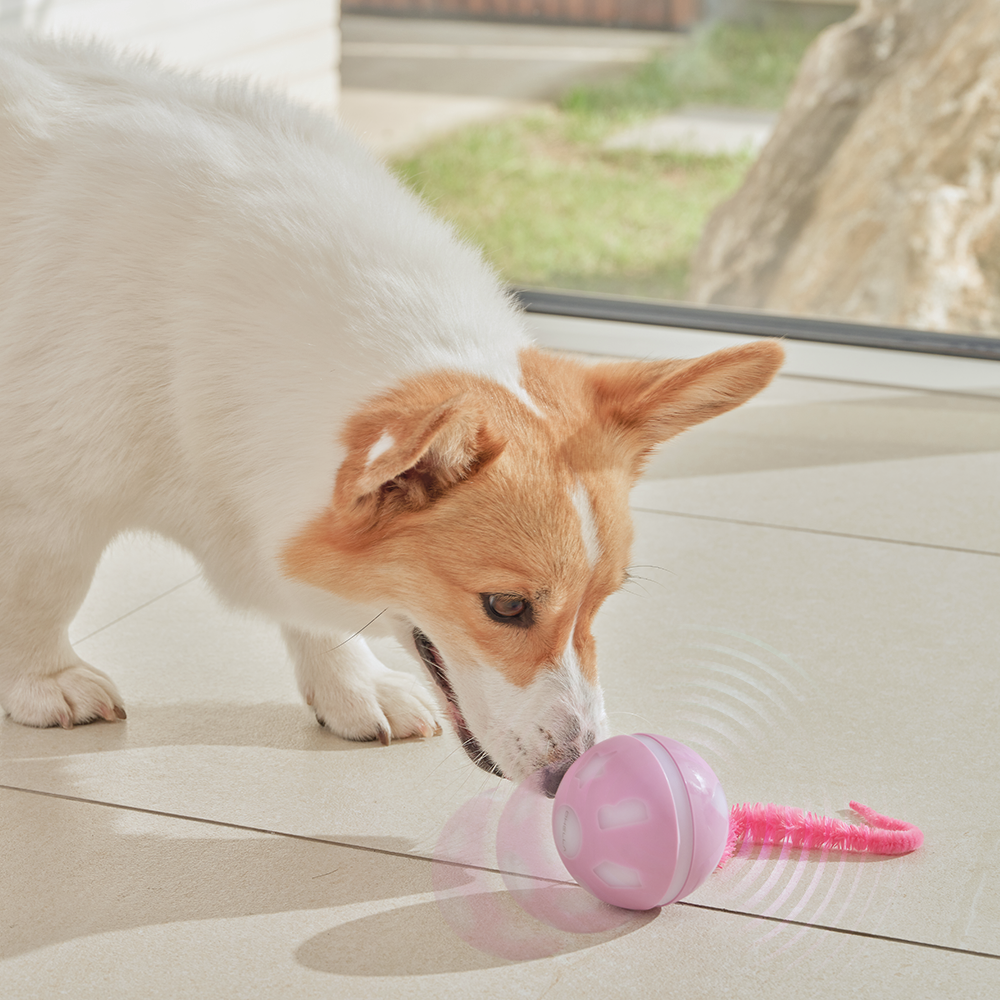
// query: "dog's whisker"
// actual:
[[465, 773], [642, 720], [629, 575], [359, 631], [432, 432]]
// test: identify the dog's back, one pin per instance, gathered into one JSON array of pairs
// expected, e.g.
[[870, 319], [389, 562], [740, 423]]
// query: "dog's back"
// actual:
[[220, 320], [199, 283], [185, 264]]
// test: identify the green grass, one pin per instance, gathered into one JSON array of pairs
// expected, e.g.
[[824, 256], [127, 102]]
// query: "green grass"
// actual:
[[549, 211], [550, 207], [725, 64]]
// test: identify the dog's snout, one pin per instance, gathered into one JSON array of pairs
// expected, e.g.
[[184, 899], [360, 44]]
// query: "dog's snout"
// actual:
[[552, 776]]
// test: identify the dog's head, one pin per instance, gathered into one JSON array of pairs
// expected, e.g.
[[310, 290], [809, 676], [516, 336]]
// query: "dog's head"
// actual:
[[494, 530]]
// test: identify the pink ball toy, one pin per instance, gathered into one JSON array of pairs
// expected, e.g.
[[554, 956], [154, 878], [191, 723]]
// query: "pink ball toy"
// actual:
[[640, 821]]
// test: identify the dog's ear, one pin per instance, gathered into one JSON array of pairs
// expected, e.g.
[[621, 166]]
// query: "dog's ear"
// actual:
[[404, 461], [646, 403]]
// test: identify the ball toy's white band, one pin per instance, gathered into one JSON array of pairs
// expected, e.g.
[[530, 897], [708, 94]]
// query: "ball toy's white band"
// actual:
[[685, 820]]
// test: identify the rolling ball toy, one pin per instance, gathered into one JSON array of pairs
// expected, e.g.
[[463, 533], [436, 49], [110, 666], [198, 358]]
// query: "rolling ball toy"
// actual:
[[641, 821]]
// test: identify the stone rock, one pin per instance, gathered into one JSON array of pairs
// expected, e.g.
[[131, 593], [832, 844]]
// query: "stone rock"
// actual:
[[878, 197]]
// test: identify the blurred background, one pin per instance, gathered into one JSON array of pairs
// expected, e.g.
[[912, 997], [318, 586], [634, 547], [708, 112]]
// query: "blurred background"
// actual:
[[814, 159]]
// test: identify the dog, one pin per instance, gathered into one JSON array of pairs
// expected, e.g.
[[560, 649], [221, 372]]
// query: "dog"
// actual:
[[223, 322]]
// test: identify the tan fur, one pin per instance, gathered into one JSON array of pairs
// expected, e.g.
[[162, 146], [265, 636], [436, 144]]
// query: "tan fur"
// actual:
[[473, 496], [255, 348]]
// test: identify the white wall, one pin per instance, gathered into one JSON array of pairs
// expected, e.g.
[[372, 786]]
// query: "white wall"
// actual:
[[291, 43]]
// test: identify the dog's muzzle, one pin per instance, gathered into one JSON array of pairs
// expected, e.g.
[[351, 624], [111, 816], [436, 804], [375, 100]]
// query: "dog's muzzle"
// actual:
[[434, 662]]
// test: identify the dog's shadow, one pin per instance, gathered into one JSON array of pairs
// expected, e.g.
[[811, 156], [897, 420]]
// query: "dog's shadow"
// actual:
[[208, 761], [75, 869], [121, 868], [276, 726]]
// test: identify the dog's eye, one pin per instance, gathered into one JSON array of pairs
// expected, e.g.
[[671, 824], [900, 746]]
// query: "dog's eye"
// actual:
[[508, 609]]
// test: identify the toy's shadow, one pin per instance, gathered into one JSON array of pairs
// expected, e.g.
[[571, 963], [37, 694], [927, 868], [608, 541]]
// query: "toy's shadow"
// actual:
[[422, 939], [118, 870]]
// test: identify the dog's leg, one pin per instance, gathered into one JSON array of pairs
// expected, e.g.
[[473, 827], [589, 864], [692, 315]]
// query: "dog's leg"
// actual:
[[44, 577], [353, 694]]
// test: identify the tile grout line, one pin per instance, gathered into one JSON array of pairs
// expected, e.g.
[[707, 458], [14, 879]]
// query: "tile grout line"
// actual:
[[817, 531], [277, 833], [911, 390], [954, 949], [127, 614], [642, 510], [986, 392], [493, 871]]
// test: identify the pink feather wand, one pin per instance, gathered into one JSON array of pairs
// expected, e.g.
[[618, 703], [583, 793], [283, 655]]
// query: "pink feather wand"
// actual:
[[784, 825]]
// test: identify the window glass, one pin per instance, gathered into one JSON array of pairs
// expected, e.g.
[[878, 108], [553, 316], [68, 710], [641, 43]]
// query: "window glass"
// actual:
[[831, 160]]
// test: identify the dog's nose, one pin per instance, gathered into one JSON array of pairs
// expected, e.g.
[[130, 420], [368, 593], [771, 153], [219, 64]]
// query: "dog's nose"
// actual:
[[551, 777]]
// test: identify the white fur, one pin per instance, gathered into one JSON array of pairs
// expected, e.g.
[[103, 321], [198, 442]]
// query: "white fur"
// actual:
[[588, 525], [381, 446], [558, 716], [198, 283]]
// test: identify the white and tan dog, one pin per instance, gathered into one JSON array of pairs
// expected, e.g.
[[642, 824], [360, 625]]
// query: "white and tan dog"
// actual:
[[223, 322]]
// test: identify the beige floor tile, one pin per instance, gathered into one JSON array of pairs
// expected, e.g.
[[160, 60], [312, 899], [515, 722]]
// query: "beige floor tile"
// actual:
[[217, 729], [809, 359], [811, 423], [134, 570], [809, 671], [912, 467], [951, 501], [105, 903]]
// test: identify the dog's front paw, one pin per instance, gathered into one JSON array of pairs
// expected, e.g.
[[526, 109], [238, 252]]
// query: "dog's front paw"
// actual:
[[355, 695], [73, 696], [394, 705]]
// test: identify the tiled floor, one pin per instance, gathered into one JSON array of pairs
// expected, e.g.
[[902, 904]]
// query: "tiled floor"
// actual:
[[816, 612]]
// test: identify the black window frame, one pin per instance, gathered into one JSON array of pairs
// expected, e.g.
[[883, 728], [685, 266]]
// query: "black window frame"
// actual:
[[621, 309]]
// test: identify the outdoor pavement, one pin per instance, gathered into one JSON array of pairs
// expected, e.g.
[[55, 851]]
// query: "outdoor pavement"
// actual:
[[813, 609], [714, 131], [405, 81]]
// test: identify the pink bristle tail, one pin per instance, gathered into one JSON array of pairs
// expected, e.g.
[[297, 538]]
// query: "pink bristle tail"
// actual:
[[770, 824]]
